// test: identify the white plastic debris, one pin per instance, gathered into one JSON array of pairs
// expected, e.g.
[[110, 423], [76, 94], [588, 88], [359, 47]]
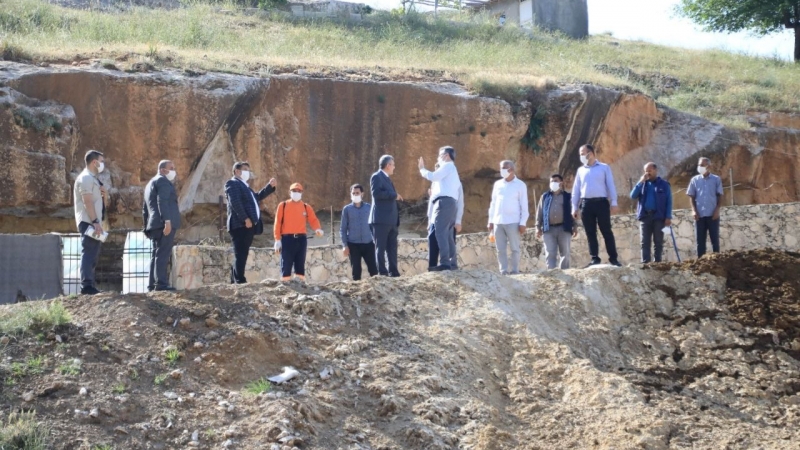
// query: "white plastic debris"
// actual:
[[196, 436], [288, 373], [171, 395], [326, 373]]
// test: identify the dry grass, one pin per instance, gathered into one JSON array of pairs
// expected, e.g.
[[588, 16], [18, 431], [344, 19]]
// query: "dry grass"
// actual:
[[491, 60]]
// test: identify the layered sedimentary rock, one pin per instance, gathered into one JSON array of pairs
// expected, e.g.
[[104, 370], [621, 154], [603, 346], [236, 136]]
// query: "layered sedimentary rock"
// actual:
[[329, 133]]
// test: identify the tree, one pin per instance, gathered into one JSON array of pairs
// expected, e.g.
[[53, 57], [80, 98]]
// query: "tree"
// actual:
[[761, 16]]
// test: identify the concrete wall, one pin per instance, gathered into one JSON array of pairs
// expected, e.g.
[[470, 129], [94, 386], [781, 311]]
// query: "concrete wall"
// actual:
[[742, 227], [30, 267], [570, 17], [508, 7]]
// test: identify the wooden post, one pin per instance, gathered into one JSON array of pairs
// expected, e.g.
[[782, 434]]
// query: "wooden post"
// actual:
[[730, 176], [630, 188], [221, 221], [333, 236]]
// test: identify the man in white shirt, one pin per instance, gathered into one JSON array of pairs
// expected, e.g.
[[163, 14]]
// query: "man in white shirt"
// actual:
[[433, 246], [444, 195], [508, 216]]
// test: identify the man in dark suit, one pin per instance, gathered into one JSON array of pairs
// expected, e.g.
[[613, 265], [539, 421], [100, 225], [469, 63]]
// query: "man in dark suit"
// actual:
[[384, 218], [161, 219], [244, 216]]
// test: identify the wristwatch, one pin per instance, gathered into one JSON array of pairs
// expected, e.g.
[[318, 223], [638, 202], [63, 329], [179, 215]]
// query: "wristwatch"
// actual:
[[96, 221]]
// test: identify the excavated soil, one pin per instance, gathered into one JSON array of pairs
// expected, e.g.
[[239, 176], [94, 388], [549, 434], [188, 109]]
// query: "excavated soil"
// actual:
[[604, 358], [763, 287]]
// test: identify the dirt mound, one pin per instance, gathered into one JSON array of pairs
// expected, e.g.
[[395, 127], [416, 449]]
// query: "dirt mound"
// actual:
[[603, 358], [763, 287]]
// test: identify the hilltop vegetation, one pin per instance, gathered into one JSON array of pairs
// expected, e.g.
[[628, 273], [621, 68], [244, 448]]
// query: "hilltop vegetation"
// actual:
[[468, 48]]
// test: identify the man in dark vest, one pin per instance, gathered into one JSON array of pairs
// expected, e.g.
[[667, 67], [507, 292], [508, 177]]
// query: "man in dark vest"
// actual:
[[554, 223], [654, 210]]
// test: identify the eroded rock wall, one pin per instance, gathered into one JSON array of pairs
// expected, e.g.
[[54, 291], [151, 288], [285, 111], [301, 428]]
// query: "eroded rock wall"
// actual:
[[329, 133]]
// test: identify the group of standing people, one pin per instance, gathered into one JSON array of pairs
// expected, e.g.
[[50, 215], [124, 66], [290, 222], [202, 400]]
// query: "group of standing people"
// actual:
[[369, 232]]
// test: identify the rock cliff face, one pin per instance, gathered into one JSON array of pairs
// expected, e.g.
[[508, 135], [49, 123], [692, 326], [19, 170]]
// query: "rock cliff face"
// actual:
[[329, 134]]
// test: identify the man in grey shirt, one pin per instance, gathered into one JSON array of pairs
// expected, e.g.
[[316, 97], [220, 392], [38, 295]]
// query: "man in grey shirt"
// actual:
[[706, 192], [356, 235], [89, 195]]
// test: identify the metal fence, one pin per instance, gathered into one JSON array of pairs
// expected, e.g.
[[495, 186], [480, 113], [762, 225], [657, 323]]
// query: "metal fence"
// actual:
[[123, 265]]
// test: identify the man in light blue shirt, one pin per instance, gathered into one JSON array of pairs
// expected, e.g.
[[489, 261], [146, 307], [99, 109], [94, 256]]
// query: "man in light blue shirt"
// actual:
[[706, 193], [444, 195], [594, 198]]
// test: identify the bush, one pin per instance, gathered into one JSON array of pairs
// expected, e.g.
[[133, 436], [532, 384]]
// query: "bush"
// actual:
[[22, 432], [33, 317]]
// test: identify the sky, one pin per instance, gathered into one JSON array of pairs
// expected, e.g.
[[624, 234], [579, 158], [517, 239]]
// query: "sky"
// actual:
[[655, 21]]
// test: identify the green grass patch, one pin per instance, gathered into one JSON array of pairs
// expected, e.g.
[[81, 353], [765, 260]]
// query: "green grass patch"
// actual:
[[506, 62], [21, 431], [70, 368], [160, 379], [172, 356], [259, 386], [33, 316], [119, 388], [102, 447]]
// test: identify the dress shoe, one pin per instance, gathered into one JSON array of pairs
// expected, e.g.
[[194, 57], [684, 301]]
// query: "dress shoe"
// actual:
[[166, 288], [91, 290], [615, 263], [441, 268], [593, 263]]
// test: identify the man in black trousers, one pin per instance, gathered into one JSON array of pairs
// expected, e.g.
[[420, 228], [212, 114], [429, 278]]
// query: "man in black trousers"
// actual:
[[594, 199], [161, 219], [384, 218], [356, 234], [244, 216]]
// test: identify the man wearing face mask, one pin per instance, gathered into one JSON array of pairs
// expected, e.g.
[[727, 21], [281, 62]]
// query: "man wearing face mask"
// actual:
[[356, 235], [706, 193], [244, 216], [594, 199], [161, 219], [433, 246], [384, 216], [554, 223], [444, 195], [508, 216], [291, 241], [88, 196], [654, 210]]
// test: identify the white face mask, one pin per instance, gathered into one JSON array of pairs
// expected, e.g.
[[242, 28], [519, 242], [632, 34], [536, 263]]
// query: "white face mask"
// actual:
[[355, 198], [555, 186], [585, 159], [701, 170], [101, 167], [504, 173], [296, 196], [171, 175], [245, 175]]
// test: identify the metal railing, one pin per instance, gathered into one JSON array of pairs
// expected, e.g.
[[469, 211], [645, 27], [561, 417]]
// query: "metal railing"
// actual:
[[123, 265]]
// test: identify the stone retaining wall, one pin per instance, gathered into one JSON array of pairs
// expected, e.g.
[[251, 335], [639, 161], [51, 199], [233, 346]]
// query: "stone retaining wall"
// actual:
[[742, 228]]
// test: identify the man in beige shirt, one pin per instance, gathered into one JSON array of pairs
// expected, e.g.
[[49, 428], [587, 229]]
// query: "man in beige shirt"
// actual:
[[88, 195]]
